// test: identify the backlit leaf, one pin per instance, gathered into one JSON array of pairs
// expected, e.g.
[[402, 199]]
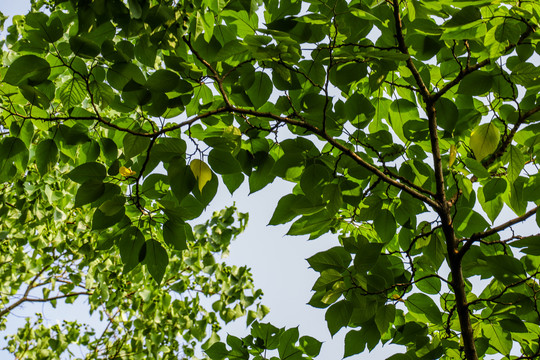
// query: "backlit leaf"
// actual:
[[201, 171], [484, 140]]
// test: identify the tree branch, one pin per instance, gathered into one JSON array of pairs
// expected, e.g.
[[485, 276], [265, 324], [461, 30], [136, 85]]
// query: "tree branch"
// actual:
[[443, 208], [492, 231], [30, 286], [508, 140], [470, 69], [403, 48], [350, 153]]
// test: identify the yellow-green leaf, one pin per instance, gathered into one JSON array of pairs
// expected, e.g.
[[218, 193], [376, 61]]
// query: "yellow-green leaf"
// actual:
[[453, 153], [484, 140], [202, 172], [124, 171]]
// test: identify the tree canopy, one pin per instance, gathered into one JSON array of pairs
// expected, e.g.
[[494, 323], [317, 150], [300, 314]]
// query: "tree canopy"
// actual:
[[406, 126]]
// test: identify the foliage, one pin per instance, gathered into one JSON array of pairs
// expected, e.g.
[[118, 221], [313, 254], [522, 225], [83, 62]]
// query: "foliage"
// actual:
[[407, 126], [49, 254]]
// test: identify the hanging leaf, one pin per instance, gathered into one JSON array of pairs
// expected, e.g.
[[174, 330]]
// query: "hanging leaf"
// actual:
[[46, 155], [156, 259], [176, 234], [201, 171], [452, 157], [131, 244], [516, 163]]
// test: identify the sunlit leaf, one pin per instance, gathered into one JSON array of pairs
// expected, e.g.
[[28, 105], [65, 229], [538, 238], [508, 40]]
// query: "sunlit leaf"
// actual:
[[201, 171], [484, 140]]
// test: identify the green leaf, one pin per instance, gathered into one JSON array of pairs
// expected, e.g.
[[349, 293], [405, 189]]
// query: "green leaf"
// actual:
[[156, 259], [50, 33], [333, 197], [101, 221], [72, 93], [176, 234], [476, 168], [162, 80], [470, 31], [134, 145], [313, 179], [311, 224], [89, 192], [338, 316], [233, 181], [310, 345], [513, 324], [517, 162], [131, 244], [119, 75], [168, 148], [46, 156], [477, 83], [335, 258], [284, 211], [428, 285], [469, 222], [528, 245], [494, 188], [385, 317], [113, 206], [484, 140], [506, 269], [155, 186], [367, 257], [87, 171], [499, 339], [13, 155], [35, 96], [286, 348], [525, 73], [492, 207], [402, 111], [135, 11], [260, 90], [181, 178], [146, 51], [422, 304], [447, 114], [356, 341], [223, 162], [515, 198], [81, 46], [27, 70], [218, 351], [385, 225]]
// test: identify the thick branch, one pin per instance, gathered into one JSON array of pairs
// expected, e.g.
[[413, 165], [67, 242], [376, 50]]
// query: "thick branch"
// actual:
[[430, 108], [443, 208]]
